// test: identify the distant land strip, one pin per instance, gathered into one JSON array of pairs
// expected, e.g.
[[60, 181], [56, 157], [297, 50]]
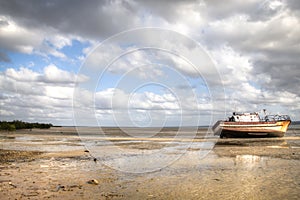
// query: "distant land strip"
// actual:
[[17, 124]]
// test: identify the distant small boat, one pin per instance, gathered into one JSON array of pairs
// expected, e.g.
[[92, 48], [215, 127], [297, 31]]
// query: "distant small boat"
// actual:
[[252, 125]]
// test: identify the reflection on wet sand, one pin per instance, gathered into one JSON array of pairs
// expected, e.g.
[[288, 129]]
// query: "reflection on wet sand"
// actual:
[[249, 161]]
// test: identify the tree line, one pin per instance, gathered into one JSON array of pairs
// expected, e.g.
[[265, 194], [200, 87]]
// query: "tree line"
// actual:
[[17, 124]]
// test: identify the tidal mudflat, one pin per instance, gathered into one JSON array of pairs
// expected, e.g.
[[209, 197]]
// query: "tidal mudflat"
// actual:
[[146, 164]]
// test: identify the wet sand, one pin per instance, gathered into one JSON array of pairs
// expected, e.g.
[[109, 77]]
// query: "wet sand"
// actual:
[[144, 164]]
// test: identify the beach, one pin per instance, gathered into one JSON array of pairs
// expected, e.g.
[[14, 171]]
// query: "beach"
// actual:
[[136, 163]]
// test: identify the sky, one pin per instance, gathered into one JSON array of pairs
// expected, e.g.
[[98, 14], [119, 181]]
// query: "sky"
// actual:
[[147, 63]]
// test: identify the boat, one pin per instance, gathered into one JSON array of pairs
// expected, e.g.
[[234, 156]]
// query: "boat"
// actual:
[[241, 125]]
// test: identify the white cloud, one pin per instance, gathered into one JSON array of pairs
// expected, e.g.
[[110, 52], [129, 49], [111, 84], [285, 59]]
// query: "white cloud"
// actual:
[[150, 100], [60, 41], [51, 74], [30, 95], [23, 74], [116, 107], [59, 92], [54, 74], [235, 69]]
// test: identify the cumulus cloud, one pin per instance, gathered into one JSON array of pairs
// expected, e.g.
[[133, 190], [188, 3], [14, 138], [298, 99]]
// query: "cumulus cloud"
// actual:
[[30, 95], [137, 108], [23, 74], [113, 98], [16, 38], [51, 74], [33, 98], [269, 44]]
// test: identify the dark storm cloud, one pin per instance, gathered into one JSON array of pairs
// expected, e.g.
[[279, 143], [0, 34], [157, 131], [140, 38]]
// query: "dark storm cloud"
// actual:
[[216, 10], [91, 19], [293, 5], [211, 9], [168, 10], [284, 76]]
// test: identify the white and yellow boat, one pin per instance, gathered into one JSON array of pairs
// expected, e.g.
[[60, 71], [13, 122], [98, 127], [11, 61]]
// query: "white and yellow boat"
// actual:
[[251, 125]]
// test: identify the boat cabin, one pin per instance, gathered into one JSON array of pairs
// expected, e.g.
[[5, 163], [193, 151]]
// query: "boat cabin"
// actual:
[[244, 117]]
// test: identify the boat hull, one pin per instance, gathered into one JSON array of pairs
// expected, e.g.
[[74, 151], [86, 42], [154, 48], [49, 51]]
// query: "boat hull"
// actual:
[[251, 129]]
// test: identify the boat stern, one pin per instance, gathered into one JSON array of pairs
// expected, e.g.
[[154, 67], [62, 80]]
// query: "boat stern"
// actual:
[[217, 128]]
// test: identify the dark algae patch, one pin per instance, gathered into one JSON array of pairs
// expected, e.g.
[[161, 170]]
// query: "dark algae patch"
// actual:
[[17, 156]]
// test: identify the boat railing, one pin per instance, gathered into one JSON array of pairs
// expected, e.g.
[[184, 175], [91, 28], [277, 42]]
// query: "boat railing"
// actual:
[[277, 118]]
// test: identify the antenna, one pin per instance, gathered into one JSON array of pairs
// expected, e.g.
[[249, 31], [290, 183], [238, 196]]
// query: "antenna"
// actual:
[[235, 105], [265, 111]]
